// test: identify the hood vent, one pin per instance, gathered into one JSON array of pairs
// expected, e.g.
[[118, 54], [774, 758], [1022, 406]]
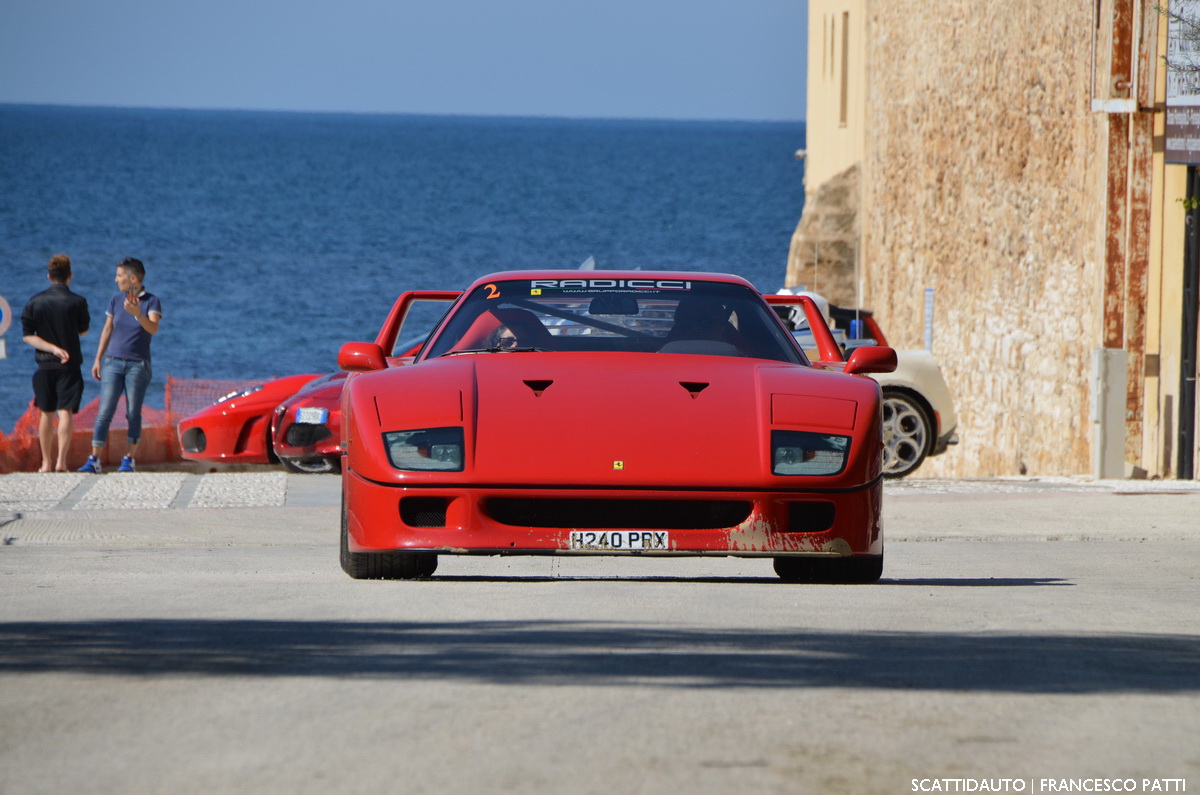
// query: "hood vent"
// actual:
[[538, 387], [694, 388]]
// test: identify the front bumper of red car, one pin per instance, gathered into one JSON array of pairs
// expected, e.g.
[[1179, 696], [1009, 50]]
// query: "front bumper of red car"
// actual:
[[515, 520]]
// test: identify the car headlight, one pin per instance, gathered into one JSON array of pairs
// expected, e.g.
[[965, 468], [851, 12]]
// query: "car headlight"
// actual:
[[239, 394], [426, 449], [806, 453]]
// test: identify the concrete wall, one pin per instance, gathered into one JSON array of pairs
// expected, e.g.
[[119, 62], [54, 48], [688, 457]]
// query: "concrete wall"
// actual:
[[981, 180]]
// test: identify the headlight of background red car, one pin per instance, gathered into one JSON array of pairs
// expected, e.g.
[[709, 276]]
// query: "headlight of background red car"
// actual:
[[241, 394]]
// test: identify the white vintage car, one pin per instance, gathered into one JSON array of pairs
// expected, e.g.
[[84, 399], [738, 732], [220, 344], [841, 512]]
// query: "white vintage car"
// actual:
[[918, 409]]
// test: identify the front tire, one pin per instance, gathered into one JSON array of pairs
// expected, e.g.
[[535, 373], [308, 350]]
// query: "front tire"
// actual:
[[383, 565], [907, 434], [859, 570]]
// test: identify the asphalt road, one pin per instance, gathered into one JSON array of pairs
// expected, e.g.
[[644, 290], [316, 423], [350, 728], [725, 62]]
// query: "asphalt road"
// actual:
[[1030, 631]]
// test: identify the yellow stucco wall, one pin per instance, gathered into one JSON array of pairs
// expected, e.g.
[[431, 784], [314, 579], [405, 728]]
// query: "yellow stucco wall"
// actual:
[[836, 75], [1165, 335]]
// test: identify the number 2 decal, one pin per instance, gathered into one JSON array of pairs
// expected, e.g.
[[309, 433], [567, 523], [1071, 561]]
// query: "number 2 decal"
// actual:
[[493, 291]]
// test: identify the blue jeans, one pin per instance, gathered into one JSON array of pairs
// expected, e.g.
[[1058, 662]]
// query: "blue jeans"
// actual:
[[117, 376]]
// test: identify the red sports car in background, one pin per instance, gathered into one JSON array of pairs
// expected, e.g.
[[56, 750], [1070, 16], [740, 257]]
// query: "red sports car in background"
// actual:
[[629, 413], [237, 428], [296, 420], [306, 429]]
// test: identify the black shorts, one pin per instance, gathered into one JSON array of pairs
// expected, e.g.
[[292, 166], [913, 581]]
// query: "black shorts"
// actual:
[[58, 389]]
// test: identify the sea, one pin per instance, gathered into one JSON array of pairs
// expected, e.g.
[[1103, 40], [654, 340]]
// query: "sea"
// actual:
[[273, 237]]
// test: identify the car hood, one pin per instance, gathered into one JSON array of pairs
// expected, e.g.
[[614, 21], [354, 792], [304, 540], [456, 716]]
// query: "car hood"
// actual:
[[618, 420], [324, 390]]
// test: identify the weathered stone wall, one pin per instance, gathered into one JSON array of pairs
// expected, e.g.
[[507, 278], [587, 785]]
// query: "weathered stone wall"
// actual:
[[824, 247], [983, 179]]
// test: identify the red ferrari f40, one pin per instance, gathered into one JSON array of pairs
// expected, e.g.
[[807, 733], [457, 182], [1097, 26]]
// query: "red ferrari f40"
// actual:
[[613, 413]]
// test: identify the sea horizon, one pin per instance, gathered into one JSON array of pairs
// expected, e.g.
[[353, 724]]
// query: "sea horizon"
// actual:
[[405, 114], [272, 236]]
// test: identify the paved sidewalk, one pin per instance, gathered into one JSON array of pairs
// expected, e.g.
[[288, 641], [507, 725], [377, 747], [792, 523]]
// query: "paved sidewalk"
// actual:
[[23, 493]]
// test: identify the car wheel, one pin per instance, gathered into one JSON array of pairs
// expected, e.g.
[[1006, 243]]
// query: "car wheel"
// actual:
[[318, 465], [907, 432], [859, 570], [383, 565]]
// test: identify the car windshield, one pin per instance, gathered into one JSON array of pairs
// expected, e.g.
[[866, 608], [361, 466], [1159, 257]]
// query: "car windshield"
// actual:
[[650, 315]]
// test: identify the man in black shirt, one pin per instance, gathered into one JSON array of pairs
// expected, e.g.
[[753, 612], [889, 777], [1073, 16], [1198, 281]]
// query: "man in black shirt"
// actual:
[[53, 322]]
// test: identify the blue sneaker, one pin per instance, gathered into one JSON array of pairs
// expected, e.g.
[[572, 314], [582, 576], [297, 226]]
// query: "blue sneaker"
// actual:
[[126, 465], [92, 465]]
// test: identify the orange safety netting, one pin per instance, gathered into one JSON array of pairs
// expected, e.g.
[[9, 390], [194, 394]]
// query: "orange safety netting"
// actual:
[[20, 452]]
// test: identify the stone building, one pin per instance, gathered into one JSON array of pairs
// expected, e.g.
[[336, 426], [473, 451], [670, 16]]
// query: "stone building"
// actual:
[[1010, 157]]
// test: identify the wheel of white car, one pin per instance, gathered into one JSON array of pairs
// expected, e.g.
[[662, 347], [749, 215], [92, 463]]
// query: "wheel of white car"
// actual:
[[907, 434]]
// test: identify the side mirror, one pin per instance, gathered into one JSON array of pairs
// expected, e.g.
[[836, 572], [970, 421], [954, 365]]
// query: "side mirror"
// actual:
[[361, 357], [871, 359]]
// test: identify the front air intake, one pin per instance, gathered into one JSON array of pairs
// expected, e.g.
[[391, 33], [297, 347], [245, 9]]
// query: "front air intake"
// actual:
[[810, 517], [194, 441], [538, 387], [306, 435], [424, 511], [614, 514]]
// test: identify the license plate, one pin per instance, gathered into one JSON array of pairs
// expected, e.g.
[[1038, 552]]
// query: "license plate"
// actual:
[[620, 540], [311, 416]]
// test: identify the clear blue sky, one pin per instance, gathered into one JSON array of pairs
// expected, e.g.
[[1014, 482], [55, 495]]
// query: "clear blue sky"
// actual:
[[672, 59]]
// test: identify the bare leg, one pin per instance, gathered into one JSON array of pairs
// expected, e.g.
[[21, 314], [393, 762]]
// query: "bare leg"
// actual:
[[46, 440], [66, 431]]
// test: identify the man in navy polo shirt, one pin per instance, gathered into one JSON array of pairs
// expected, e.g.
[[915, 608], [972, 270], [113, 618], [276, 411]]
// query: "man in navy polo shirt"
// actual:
[[123, 360], [53, 322]]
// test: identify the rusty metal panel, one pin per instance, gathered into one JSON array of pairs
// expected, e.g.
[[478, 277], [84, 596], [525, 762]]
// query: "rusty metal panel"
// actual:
[[1121, 65], [1117, 188], [1147, 66], [1116, 215], [1137, 280]]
